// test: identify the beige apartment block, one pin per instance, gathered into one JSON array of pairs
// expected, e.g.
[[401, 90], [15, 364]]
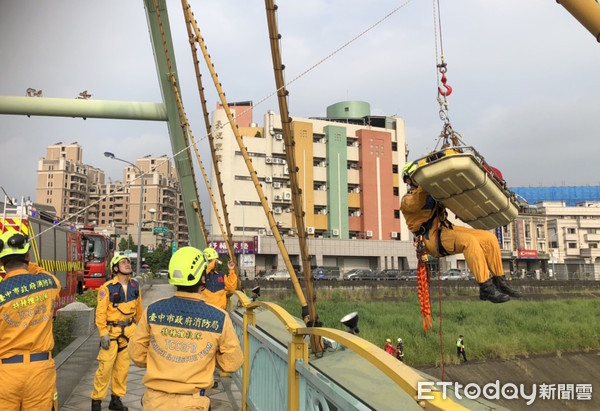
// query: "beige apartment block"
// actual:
[[80, 193]]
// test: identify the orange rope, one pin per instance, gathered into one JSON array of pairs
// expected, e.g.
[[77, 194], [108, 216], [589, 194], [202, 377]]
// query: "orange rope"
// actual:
[[423, 284]]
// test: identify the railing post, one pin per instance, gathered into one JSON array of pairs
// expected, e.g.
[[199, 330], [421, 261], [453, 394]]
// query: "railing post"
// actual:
[[297, 350], [249, 319]]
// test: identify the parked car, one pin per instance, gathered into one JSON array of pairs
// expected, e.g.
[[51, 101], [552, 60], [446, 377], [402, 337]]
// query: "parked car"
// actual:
[[408, 275], [321, 273], [452, 274], [359, 274], [278, 275], [389, 274], [163, 273]]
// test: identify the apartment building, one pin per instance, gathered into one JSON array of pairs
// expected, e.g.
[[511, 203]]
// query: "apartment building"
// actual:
[[80, 192], [348, 171]]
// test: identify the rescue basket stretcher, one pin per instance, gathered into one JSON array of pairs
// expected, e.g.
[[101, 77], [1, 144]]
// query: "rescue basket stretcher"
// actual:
[[463, 182]]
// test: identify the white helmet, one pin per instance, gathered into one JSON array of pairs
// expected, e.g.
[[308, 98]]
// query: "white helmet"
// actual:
[[399, 339]]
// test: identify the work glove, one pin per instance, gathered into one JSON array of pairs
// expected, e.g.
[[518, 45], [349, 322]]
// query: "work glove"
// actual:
[[105, 342]]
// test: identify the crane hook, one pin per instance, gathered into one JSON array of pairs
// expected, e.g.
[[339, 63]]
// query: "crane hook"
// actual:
[[447, 87]]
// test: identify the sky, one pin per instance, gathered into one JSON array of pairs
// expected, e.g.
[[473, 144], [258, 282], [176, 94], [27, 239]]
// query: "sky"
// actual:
[[524, 76]]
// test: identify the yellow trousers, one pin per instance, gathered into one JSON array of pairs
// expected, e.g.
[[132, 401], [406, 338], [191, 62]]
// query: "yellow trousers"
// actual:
[[161, 401], [113, 365], [19, 391], [480, 248]]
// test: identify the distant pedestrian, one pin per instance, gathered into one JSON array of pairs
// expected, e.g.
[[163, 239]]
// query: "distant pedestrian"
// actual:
[[27, 297], [181, 339], [460, 348], [389, 348], [400, 350]]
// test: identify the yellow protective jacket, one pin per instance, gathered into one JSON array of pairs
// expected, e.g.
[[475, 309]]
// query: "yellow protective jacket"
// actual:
[[114, 306], [180, 340], [418, 207], [26, 311], [217, 286]]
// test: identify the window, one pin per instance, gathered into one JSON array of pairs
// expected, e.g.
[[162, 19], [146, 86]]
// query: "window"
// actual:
[[396, 192], [570, 230], [572, 245], [395, 168]]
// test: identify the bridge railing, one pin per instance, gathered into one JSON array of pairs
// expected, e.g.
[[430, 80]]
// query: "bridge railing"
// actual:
[[280, 373]]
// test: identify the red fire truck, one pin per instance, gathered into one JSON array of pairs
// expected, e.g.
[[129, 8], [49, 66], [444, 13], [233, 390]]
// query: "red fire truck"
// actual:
[[78, 258], [56, 248], [98, 251]]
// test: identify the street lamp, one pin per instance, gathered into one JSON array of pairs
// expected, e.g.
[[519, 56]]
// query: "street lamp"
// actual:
[[243, 265], [139, 233]]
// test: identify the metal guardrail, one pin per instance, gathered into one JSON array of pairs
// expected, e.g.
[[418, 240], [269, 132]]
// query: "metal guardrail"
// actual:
[[277, 372]]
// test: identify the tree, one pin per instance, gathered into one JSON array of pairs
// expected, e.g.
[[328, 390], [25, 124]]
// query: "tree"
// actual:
[[159, 258], [127, 244]]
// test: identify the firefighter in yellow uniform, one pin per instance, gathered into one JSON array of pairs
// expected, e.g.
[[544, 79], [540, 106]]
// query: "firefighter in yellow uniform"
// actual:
[[217, 284], [119, 309], [26, 341], [426, 218], [180, 339]]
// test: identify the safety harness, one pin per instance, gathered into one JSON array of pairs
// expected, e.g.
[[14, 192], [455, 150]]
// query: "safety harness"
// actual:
[[122, 324], [423, 232]]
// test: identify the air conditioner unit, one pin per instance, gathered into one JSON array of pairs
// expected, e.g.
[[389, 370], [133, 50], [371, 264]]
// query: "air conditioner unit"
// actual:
[[323, 211], [355, 144], [268, 160], [356, 213], [310, 230], [335, 231], [277, 184], [278, 136], [262, 231], [291, 232], [277, 210], [287, 210], [286, 170], [287, 196], [268, 179], [394, 234], [269, 232], [323, 164], [323, 187], [369, 233]]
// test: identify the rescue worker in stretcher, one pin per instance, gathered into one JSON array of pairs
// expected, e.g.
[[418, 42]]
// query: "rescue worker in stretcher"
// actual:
[[118, 311], [426, 219]]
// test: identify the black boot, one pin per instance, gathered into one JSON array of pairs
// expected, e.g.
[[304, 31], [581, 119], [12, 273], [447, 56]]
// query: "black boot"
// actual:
[[488, 291], [502, 285], [116, 404], [96, 405]]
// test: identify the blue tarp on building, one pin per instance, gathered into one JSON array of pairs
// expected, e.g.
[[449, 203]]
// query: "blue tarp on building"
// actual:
[[570, 194]]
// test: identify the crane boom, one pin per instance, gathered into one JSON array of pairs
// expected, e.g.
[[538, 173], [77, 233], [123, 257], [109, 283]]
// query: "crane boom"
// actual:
[[587, 12]]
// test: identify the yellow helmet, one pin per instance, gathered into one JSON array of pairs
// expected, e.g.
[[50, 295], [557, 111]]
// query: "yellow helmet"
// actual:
[[211, 254], [388, 340], [408, 169], [187, 266], [116, 260], [13, 243]]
